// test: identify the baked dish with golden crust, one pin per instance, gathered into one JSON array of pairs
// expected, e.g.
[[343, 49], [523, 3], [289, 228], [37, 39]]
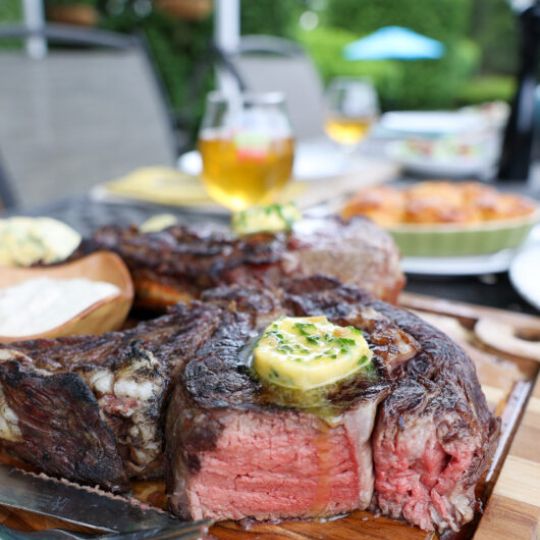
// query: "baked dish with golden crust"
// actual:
[[437, 203]]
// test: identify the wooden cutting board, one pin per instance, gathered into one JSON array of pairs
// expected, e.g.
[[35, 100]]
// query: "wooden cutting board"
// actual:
[[511, 490]]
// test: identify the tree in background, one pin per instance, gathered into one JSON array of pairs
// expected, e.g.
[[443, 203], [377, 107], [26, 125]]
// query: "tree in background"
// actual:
[[10, 11], [480, 36], [493, 27]]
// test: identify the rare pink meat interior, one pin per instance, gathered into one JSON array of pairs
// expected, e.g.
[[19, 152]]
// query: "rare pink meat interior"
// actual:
[[233, 454]]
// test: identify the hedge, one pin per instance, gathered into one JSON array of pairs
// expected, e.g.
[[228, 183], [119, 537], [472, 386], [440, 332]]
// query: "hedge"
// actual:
[[10, 11], [446, 20], [487, 88], [414, 84]]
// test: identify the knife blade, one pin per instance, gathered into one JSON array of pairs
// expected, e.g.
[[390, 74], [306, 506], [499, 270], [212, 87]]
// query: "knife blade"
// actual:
[[89, 507]]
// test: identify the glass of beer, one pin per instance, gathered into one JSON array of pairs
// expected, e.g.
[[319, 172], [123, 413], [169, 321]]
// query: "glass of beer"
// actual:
[[352, 109], [247, 148]]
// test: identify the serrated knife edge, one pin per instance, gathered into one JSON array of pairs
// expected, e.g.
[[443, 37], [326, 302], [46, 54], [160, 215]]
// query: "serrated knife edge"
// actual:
[[89, 507]]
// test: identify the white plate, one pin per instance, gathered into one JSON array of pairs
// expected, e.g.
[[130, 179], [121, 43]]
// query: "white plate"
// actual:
[[459, 266], [524, 274], [451, 166], [429, 123]]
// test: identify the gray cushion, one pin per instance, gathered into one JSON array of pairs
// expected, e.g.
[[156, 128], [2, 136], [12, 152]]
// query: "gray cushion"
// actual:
[[78, 118]]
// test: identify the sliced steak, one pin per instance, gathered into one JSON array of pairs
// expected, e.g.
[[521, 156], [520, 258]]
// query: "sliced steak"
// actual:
[[89, 408], [434, 434], [233, 453], [181, 262]]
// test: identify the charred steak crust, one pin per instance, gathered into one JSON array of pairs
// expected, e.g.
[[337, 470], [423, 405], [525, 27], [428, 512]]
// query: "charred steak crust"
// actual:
[[100, 400], [437, 414], [181, 262], [51, 436], [433, 435]]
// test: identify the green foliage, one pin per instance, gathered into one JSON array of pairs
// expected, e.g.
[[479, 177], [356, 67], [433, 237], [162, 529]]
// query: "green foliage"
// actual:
[[417, 84], [431, 84], [487, 88], [446, 20], [93, 3], [10, 11], [495, 29], [325, 46], [271, 17]]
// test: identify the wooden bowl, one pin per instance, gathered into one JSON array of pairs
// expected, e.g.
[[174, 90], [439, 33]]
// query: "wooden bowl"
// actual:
[[103, 316]]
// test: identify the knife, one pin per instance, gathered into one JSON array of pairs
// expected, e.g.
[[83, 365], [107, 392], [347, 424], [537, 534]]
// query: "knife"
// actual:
[[89, 507]]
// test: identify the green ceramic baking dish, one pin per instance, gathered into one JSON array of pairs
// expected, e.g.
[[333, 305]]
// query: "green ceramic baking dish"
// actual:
[[442, 240]]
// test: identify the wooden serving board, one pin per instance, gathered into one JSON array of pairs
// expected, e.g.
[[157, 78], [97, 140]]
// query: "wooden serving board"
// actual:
[[510, 491]]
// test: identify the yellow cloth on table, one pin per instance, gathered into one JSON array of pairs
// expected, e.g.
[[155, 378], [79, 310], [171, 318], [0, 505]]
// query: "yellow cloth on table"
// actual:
[[163, 185]]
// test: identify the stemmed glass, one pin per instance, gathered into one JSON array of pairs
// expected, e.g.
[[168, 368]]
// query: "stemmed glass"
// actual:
[[352, 109], [247, 148]]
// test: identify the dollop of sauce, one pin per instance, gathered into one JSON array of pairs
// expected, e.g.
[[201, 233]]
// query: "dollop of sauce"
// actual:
[[39, 305], [305, 353], [271, 218], [25, 241], [158, 223]]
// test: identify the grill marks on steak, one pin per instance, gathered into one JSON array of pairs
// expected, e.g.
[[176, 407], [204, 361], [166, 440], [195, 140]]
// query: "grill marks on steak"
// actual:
[[181, 262], [98, 397], [233, 453]]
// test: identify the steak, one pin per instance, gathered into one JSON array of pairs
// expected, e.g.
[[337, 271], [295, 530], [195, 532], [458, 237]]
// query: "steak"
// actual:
[[233, 453], [411, 439], [181, 262], [434, 435], [89, 409]]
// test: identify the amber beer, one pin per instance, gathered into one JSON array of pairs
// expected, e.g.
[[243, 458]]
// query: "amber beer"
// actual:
[[348, 131], [245, 170], [246, 147], [352, 109]]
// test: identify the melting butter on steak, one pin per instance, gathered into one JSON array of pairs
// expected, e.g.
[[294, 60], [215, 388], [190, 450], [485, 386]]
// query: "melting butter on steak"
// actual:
[[231, 454]]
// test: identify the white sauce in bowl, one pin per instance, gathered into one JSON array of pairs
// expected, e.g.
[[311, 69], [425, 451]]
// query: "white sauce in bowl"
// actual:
[[39, 305]]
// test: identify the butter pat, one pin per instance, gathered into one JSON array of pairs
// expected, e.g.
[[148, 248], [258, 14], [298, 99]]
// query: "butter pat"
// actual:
[[25, 241], [309, 352], [272, 218], [157, 223]]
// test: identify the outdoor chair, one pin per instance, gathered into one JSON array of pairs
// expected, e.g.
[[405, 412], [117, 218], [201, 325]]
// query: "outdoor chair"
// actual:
[[266, 63], [78, 117]]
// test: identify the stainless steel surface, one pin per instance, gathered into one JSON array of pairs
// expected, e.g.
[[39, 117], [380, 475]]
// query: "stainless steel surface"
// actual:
[[90, 508]]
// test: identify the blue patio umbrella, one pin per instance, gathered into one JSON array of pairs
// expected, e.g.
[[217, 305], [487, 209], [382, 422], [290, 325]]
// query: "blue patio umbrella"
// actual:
[[394, 42]]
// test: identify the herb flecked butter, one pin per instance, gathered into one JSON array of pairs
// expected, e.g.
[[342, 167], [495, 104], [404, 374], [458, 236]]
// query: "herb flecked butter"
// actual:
[[308, 352]]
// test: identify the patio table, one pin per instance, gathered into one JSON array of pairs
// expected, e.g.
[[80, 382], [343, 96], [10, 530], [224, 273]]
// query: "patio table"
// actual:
[[85, 215]]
